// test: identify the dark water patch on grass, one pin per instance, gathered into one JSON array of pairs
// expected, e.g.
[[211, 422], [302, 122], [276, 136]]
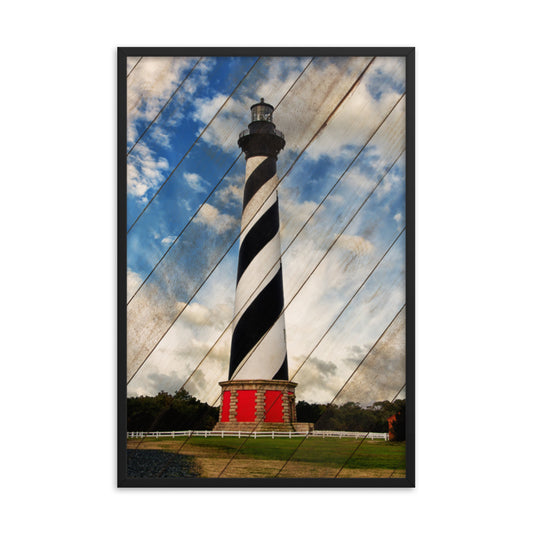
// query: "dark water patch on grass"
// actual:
[[148, 464]]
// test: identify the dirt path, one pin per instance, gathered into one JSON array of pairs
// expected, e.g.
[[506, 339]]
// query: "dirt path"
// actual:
[[212, 463]]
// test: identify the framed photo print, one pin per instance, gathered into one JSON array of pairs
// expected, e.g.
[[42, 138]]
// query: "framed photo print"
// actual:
[[266, 267]]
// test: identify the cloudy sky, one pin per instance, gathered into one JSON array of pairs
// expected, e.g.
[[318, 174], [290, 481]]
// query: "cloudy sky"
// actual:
[[342, 211]]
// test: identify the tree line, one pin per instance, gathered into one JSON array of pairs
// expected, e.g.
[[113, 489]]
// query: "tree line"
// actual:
[[353, 417], [166, 412], [181, 411]]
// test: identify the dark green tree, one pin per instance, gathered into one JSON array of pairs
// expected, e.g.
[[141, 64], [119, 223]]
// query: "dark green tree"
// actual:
[[170, 413]]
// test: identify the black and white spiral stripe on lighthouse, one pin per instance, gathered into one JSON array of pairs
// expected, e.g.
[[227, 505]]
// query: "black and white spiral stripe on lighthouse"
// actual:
[[258, 347]]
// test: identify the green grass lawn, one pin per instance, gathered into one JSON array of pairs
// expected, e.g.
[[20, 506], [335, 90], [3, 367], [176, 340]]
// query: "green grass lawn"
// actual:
[[328, 451]]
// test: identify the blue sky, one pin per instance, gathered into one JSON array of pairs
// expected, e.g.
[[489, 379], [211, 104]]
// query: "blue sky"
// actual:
[[363, 221]]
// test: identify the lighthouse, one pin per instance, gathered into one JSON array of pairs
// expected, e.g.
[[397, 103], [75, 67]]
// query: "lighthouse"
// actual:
[[258, 394]]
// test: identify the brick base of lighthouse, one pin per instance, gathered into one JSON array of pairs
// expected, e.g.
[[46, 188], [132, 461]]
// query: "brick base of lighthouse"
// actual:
[[257, 405]]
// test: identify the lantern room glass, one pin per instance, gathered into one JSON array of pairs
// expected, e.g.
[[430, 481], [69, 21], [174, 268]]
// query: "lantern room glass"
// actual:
[[262, 112]]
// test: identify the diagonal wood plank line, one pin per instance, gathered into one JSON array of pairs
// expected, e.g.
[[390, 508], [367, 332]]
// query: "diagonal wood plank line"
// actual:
[[133, 68], [207, 198], [286, 249], [330, 403], [345, 384], [180, 85], [336, 319], [315, 347], [154, 424], [324, 124], [364, 438], [192, 146]]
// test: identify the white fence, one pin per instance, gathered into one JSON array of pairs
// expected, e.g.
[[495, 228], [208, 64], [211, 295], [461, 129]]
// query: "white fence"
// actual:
[[258, 434]]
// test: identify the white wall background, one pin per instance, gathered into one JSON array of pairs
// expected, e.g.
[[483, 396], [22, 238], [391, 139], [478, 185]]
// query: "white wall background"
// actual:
[[58, 131]]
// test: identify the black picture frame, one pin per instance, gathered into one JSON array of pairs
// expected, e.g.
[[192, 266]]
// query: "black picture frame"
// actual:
[[122, 479]]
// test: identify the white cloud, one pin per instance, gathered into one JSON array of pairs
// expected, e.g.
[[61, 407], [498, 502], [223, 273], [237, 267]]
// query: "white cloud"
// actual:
[[188, 340], [398, 217], [150, 86], [217, 221], [133, 280], [224, 129], [270, 79], [307, 105], [195, 181], [391, 181], [145, 171], [382, 374], [160, 136], [305, 109], [359, 325], [168, 240], [200, 315], [231, 192], [327, 291], [359, 115], [355, 243], [314, 309], [206, 108], [307, 317], [297, 214]]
